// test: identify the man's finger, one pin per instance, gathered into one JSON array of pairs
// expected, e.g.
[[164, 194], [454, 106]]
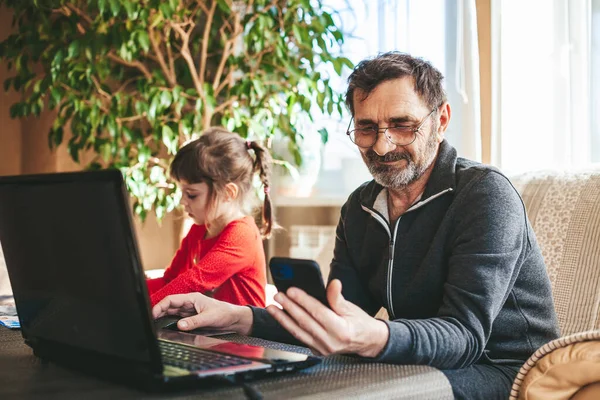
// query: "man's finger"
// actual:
[[311, 305], [157, 312], [204, 318], [323, 325], [169, 303], [292, 327], [335, 298], [193, 322], [333, 326], [337, 302]]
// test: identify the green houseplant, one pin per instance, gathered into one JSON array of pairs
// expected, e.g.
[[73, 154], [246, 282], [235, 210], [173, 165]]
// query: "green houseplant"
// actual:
[[135, 79]]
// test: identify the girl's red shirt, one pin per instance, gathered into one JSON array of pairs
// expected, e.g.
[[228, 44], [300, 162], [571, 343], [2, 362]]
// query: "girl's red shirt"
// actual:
[[230, 266]]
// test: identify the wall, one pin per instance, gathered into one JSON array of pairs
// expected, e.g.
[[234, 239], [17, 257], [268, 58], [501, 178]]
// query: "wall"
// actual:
[[24, 150], [10, 130]]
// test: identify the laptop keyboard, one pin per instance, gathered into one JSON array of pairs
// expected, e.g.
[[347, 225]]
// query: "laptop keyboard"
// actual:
[[193, 359]]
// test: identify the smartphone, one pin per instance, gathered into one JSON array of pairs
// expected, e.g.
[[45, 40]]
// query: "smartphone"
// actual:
[[304, 274]]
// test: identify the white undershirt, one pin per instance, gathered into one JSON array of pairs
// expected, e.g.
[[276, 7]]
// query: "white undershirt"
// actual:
[[381, 203]]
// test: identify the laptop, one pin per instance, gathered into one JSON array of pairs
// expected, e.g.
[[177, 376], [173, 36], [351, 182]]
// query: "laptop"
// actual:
[[80, 290]]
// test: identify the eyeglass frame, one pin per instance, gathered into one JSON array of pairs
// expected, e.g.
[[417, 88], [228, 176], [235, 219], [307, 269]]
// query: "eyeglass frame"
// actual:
[[414, 132]]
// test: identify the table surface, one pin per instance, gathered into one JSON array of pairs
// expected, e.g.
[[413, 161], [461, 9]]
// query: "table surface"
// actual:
[[23, 376]]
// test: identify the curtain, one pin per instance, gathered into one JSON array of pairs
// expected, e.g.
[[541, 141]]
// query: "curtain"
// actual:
[[542, 84], [467, 79]]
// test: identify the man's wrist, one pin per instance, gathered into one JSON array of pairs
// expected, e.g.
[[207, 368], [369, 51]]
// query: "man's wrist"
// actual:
[[379, 337], [244, 320]]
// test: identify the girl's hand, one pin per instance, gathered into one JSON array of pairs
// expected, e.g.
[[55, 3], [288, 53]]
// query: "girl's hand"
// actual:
[[200, 311]]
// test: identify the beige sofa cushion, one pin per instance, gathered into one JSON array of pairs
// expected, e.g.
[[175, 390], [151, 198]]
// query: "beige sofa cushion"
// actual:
[[564, 210], [589, 392], [563, 372], [560, 369]]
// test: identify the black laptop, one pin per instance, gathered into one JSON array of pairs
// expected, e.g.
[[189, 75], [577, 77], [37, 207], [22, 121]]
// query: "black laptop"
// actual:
[[80, 291]]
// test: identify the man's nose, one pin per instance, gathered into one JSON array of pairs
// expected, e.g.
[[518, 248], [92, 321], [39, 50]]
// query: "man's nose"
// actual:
[[382, 145]]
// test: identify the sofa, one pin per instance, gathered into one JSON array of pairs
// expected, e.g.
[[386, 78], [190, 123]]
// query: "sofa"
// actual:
[[564, 210]]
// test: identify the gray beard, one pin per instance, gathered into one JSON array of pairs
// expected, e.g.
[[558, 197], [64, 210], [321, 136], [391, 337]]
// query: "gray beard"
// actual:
[[398, 179]]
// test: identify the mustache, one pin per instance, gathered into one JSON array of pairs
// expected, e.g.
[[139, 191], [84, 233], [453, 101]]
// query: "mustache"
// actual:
[[388, 157]]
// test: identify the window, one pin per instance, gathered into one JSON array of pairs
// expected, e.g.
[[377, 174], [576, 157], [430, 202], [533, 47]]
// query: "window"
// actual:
[[548, 84], [423, 28]]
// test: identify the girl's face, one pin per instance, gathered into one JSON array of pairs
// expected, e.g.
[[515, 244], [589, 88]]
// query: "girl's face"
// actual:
[[195, 198]]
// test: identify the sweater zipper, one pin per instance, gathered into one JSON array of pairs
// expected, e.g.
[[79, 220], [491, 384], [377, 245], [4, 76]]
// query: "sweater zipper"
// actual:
[[392, 245], [391, 268]]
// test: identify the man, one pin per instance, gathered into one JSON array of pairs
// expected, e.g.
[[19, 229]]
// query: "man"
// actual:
[[441, 242]]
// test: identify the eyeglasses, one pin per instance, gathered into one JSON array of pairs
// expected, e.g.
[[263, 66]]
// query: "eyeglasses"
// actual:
[[400, 135]]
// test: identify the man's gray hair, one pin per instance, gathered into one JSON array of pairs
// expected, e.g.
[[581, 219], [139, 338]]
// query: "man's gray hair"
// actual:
[[369, 73]]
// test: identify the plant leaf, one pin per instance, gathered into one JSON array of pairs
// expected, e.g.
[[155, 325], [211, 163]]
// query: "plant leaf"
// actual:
[[324, 135], [115, 7], [168, 139], [144, 40]]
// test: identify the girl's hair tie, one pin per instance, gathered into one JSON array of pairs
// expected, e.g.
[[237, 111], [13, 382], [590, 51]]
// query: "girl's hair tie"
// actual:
[[267, 190], [248, 144]]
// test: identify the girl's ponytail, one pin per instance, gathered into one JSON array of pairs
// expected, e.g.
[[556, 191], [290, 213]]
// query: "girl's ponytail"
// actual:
[[262, 165]]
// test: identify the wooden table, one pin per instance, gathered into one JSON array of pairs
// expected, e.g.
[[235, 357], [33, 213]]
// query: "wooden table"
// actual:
[[23, 376]]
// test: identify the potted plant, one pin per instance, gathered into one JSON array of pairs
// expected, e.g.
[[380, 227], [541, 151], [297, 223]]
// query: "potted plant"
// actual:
[[130, 81]]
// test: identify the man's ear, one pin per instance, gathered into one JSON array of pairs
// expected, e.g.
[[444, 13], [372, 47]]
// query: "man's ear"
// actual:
[[231, 191], [444, 114]]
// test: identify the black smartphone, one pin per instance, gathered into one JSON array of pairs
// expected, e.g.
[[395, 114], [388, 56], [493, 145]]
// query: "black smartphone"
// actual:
[[304, 274]]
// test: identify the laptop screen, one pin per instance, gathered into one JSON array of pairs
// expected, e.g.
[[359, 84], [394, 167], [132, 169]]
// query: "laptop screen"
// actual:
[[73, 262]]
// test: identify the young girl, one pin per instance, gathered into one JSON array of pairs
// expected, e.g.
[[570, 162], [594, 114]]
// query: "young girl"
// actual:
[[222, 255]]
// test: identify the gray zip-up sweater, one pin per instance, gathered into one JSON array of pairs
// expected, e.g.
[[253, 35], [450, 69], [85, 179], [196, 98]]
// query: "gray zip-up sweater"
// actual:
[[460, 273]]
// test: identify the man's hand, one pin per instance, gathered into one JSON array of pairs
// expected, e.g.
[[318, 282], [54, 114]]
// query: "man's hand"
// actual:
[[345, 328], [204, 312]]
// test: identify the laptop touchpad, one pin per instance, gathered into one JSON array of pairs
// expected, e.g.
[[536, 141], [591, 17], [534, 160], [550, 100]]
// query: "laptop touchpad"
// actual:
[[168, 322]]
